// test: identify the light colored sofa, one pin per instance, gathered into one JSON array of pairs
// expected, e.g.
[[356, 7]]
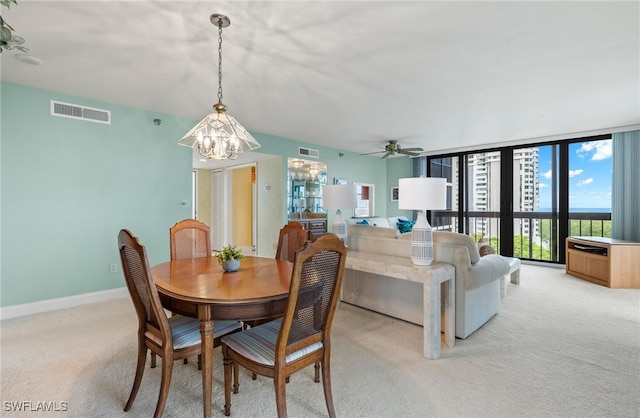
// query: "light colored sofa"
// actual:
[[390, 222], [477, 279]]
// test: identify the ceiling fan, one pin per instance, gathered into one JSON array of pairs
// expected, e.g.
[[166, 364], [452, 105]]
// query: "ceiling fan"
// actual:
[[394, 148]]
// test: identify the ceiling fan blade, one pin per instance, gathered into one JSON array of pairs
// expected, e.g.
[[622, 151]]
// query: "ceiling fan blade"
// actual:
[[407, 152], [393, 148]]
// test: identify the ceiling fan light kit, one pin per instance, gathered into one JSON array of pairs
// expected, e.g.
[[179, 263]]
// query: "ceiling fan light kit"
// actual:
[[219, 136]]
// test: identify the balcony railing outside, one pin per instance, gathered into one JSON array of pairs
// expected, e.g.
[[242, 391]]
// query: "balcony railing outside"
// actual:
[[533, 237]]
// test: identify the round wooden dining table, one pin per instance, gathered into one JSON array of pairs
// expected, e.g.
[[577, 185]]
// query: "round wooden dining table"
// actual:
[[200, 288]]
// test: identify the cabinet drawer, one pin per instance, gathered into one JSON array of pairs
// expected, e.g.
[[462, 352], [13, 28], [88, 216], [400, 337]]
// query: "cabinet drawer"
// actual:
[[317, 225], [304, 224]]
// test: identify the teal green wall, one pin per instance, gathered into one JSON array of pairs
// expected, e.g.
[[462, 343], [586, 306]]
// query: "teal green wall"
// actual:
[[397, 168], [69, 186]]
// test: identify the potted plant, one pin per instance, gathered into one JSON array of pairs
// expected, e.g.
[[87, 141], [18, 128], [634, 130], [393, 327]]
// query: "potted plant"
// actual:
[[229, 258], [8, 40]]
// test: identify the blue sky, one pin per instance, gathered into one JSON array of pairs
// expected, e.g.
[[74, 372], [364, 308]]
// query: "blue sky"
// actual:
[[589, 175]]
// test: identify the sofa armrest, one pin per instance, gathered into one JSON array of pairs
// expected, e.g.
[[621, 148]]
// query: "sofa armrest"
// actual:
[[458, 255], [454, 238], [490, 267], [487, 269]]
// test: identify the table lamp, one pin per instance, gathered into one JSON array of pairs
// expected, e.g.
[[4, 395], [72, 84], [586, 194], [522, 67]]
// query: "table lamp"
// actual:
[[339, 196], [421, 194]]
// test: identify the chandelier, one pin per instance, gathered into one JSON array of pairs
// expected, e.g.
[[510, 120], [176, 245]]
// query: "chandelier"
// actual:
[[219, 136], [297, 164]]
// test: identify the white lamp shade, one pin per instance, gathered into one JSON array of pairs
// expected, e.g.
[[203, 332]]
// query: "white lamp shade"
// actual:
[[339, 196], [422, 193]]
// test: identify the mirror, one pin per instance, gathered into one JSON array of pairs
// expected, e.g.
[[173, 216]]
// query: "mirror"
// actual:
[[304, 188]]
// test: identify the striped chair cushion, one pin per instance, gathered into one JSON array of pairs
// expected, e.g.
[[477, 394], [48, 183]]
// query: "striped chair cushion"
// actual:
[[258, 344], [186, 331]]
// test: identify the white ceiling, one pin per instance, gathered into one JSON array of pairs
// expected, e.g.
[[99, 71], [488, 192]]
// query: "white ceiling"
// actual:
[[349, 75]]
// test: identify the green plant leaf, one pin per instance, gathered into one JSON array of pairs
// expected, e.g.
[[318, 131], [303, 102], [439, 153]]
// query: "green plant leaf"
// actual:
[[5, 34], [7, 39], [230, 252], [7, 3]]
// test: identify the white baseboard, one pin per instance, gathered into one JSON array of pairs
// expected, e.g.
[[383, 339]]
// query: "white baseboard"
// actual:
[[15, 311]]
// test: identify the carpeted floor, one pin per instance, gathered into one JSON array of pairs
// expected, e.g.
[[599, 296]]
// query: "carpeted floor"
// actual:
[[560, 347]]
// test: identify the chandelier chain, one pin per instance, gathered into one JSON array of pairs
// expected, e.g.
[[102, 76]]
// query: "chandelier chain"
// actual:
[[220, 60], [219, 136]]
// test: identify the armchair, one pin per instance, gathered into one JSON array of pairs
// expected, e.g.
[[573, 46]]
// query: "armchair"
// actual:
[[477, 279]]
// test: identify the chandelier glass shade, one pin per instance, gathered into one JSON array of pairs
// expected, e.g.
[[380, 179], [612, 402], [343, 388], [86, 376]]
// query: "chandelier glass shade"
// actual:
[[219, 136]]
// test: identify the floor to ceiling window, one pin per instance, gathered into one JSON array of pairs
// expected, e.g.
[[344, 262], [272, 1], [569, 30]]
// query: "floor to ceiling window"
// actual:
[[482, 191], [526, 200], [534, 223], [590, 184]]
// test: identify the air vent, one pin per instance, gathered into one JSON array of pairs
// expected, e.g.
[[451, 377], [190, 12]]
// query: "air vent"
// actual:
[[68, 110], [308, 152]]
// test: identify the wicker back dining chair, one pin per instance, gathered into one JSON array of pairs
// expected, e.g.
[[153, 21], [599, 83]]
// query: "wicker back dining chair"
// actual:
[[292, 237], [189, 238], [172, 338], [301, 337]]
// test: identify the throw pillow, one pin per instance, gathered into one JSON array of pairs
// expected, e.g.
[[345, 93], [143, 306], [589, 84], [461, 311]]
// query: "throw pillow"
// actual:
[[405, 226], [484, 248]]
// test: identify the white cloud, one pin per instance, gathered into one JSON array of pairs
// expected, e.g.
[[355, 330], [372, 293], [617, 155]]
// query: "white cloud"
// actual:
[[547, 175], [585, 182], [542, 185], [573, 173], [601, 150]]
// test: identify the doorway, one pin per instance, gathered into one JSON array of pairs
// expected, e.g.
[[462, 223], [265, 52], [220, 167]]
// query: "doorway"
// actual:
[[365, 199], [233, 208]]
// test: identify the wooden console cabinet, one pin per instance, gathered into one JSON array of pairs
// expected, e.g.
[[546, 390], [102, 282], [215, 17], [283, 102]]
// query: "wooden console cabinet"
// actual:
[[609, 262], [315, 227]]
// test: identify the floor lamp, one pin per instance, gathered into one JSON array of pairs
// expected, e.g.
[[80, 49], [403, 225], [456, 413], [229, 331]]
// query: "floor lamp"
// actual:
[[339, 196], [422, 194]]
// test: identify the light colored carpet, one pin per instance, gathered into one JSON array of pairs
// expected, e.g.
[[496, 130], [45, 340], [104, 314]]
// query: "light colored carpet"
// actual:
[[560, 347]]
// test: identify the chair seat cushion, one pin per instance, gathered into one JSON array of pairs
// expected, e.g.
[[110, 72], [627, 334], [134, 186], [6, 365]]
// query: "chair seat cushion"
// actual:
[[259, 344], [186, 331]]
